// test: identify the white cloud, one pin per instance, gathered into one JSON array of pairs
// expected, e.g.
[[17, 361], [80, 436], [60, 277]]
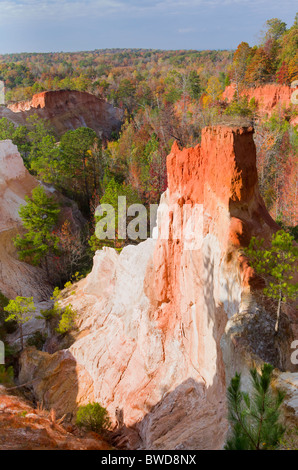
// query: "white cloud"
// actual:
[[57, 9], [60, 10]]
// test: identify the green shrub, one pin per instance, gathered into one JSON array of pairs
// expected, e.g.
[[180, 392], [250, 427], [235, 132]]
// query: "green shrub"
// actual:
[[240, 107], [67, 321], [6, 375], [93, 417], [65, 315], [49, 313], [56, 293]]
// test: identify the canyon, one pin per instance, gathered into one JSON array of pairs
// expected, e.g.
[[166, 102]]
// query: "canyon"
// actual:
[[67, 110], [164, 325]]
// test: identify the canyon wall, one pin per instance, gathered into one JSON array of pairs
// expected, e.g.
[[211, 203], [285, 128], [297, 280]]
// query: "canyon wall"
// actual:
[[67, 110], [269, 98], [16, 277], [165, 324]]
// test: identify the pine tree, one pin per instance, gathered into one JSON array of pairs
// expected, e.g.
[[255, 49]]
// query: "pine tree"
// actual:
[[113, 191], [80, 164], [277, 264], [254, 419], [39, 216], [38, 131]]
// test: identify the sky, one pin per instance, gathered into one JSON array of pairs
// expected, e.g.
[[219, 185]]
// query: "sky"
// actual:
[[66, 25]]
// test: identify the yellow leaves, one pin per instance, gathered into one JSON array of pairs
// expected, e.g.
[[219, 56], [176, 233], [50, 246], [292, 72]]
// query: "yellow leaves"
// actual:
[[214, 89], [206, 101], [113, 150]]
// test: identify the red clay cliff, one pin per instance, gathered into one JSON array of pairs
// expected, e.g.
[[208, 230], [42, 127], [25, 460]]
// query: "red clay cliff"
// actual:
[[65, 110], [269, 98]]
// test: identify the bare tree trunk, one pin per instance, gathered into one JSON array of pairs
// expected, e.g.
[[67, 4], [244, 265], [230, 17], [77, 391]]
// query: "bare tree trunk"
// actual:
[[21, 336], [47, 267], [278, 312]]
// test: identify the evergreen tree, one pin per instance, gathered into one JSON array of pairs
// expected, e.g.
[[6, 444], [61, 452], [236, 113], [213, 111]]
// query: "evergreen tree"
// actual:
[[6, 129], [46, 160], [254, 419], [113, 191], [38, 131], [194, 85], [81, 164], [21, 140], [18, 135], [39, 216], [277, 264]]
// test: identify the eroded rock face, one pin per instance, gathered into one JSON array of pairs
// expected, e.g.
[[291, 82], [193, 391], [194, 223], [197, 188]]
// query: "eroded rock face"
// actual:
[[66, 110], [288, 382], [16, 278], [269, 98], [160, 323]]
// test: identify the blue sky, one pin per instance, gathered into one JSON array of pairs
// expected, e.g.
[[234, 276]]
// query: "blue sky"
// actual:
[[66, 25]]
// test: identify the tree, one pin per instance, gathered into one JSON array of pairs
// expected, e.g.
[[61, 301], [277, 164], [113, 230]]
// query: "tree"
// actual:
[[72, 251], [45, 162], [21, 140], [6, 129], [126, 94], [277, 264], [275, 29], [194, 85], [282, 75], [113, 191], [39, 216], [38, 131], [21, 310], [239, 66], [214, 89], [80, 162], [18, 135], [260, 69], [254, 419]]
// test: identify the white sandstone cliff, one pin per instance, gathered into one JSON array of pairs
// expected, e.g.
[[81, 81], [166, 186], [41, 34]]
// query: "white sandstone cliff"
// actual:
[[164, 327]]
